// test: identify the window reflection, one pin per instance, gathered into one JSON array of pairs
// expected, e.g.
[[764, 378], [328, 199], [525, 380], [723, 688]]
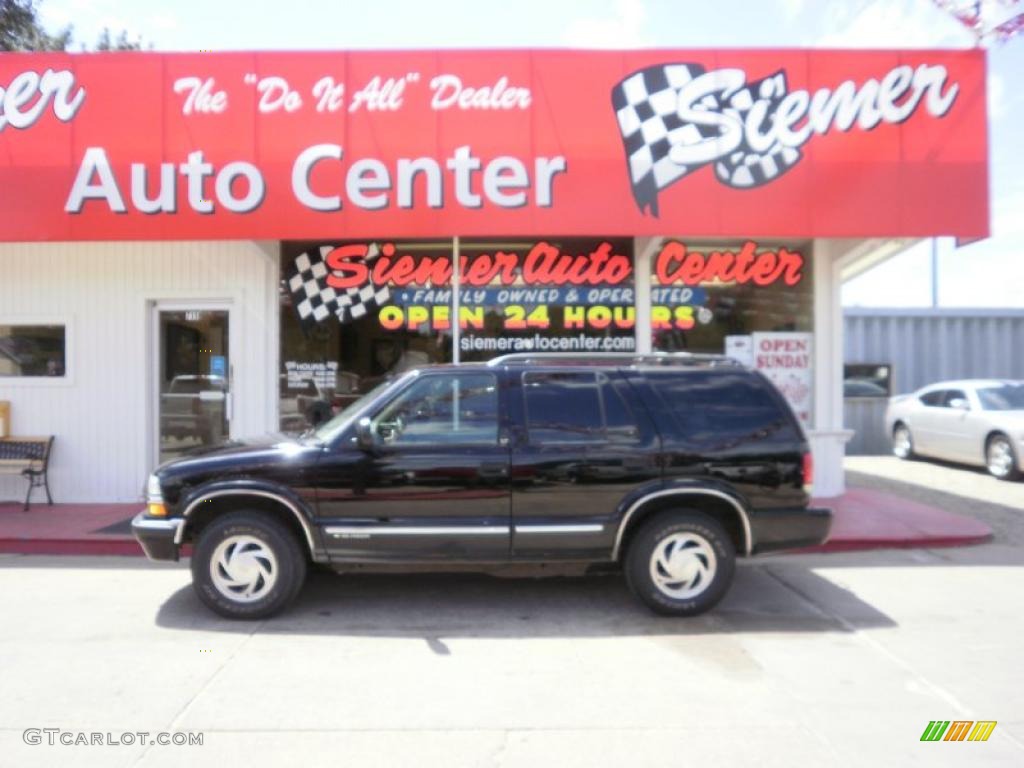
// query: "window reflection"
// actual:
[[336, 344], [708, 291], [32, 350], [453, 410]]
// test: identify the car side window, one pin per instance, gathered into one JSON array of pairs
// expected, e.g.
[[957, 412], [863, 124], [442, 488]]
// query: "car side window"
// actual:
[[952, 395], [720, 409], [459, 409], [934, 399], [570, 407], [562, 408], [620, 422]]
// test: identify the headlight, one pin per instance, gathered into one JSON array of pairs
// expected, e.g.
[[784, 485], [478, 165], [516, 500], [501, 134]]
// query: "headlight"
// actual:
[[153, 491], [155, 498]]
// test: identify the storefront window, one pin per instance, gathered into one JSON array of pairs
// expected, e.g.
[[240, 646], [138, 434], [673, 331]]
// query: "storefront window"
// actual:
[[32, 350], [752, 301], [355, 313], [556, 295], [704, 292]]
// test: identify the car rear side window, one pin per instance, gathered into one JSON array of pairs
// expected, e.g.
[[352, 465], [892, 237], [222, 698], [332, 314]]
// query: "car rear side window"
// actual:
[[935, 398], [721, 409], [576, 407], [620, 422], [1005, 397], [563, 407]]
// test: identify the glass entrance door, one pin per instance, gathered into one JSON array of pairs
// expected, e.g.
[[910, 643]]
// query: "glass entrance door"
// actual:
[[194, 379]]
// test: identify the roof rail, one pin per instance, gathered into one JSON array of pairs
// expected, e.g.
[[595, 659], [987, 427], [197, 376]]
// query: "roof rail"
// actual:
[[622, 358]]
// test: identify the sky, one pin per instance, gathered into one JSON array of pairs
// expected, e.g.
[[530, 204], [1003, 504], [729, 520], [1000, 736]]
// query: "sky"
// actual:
[[985, 274]]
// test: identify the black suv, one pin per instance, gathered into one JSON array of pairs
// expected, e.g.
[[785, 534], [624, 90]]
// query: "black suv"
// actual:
[[667, 465]]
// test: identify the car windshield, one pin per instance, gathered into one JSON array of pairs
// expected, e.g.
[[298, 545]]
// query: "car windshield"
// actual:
[[1008, 397], [331, 428]]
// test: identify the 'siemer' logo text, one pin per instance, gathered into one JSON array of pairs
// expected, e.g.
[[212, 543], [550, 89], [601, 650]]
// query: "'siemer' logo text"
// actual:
[[676, 118], [26, 97]]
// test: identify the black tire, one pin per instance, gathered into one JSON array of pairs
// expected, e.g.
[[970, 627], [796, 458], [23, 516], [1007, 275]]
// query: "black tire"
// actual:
[[677, 526], [266, 555], [900, 449], [998, 470]]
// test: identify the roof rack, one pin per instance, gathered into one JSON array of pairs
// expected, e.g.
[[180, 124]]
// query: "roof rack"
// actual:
[[622, 358]]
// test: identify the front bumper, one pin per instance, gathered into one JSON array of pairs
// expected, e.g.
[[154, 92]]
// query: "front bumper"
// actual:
[[159, 539], [778, 529]]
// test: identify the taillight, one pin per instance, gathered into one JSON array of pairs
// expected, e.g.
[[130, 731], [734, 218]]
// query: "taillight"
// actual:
[[808, 469]]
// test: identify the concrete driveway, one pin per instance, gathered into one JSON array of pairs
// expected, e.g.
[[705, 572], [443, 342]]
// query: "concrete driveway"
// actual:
[[811, 660]]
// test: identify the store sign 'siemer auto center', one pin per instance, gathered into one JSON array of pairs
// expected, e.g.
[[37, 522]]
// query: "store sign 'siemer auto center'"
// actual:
[[410, 144]]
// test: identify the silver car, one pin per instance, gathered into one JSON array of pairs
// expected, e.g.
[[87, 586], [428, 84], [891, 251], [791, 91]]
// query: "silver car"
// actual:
[[974, 421]]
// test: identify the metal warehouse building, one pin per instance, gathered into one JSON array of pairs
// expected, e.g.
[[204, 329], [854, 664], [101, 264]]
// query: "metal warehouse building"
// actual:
[[919, 347]]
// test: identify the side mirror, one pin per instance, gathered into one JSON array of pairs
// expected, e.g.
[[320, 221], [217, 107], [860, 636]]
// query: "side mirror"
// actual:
[[959, 404], [364, 434]]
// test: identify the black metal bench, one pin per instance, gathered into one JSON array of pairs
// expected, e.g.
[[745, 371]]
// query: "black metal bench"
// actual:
[[29, 457]]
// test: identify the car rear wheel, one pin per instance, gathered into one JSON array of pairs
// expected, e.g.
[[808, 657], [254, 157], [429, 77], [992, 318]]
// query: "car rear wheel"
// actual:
[[1000, 458], [247, 565], [902, 442], [680, 563]]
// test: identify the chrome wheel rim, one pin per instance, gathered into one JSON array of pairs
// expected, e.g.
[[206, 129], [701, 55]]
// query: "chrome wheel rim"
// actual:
[[243, 569], [1000, 457], [901, 442], [683, 565]]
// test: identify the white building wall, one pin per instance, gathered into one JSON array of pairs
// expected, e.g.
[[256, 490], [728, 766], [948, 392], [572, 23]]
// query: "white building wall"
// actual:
[[102, 411]]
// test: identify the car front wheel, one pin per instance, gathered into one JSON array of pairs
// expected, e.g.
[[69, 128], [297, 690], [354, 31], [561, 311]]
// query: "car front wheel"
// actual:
[[247, 565], [902, 442], [680, 563], [1000, 458]]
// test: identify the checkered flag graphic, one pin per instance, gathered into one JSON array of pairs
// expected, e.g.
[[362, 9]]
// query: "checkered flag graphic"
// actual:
[[315, 301], [647, 110], [745, 168]]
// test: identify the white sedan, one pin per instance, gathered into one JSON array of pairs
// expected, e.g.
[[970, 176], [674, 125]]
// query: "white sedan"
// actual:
[[975, 421]]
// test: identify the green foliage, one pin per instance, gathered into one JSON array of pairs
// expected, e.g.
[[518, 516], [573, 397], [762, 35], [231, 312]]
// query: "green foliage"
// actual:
[[120, 43], [21, 30]]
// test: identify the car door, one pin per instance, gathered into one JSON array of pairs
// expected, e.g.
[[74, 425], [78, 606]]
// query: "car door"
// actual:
[[582, 441], [947, 425], [431, 484], [959, 425], [925, 422]]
